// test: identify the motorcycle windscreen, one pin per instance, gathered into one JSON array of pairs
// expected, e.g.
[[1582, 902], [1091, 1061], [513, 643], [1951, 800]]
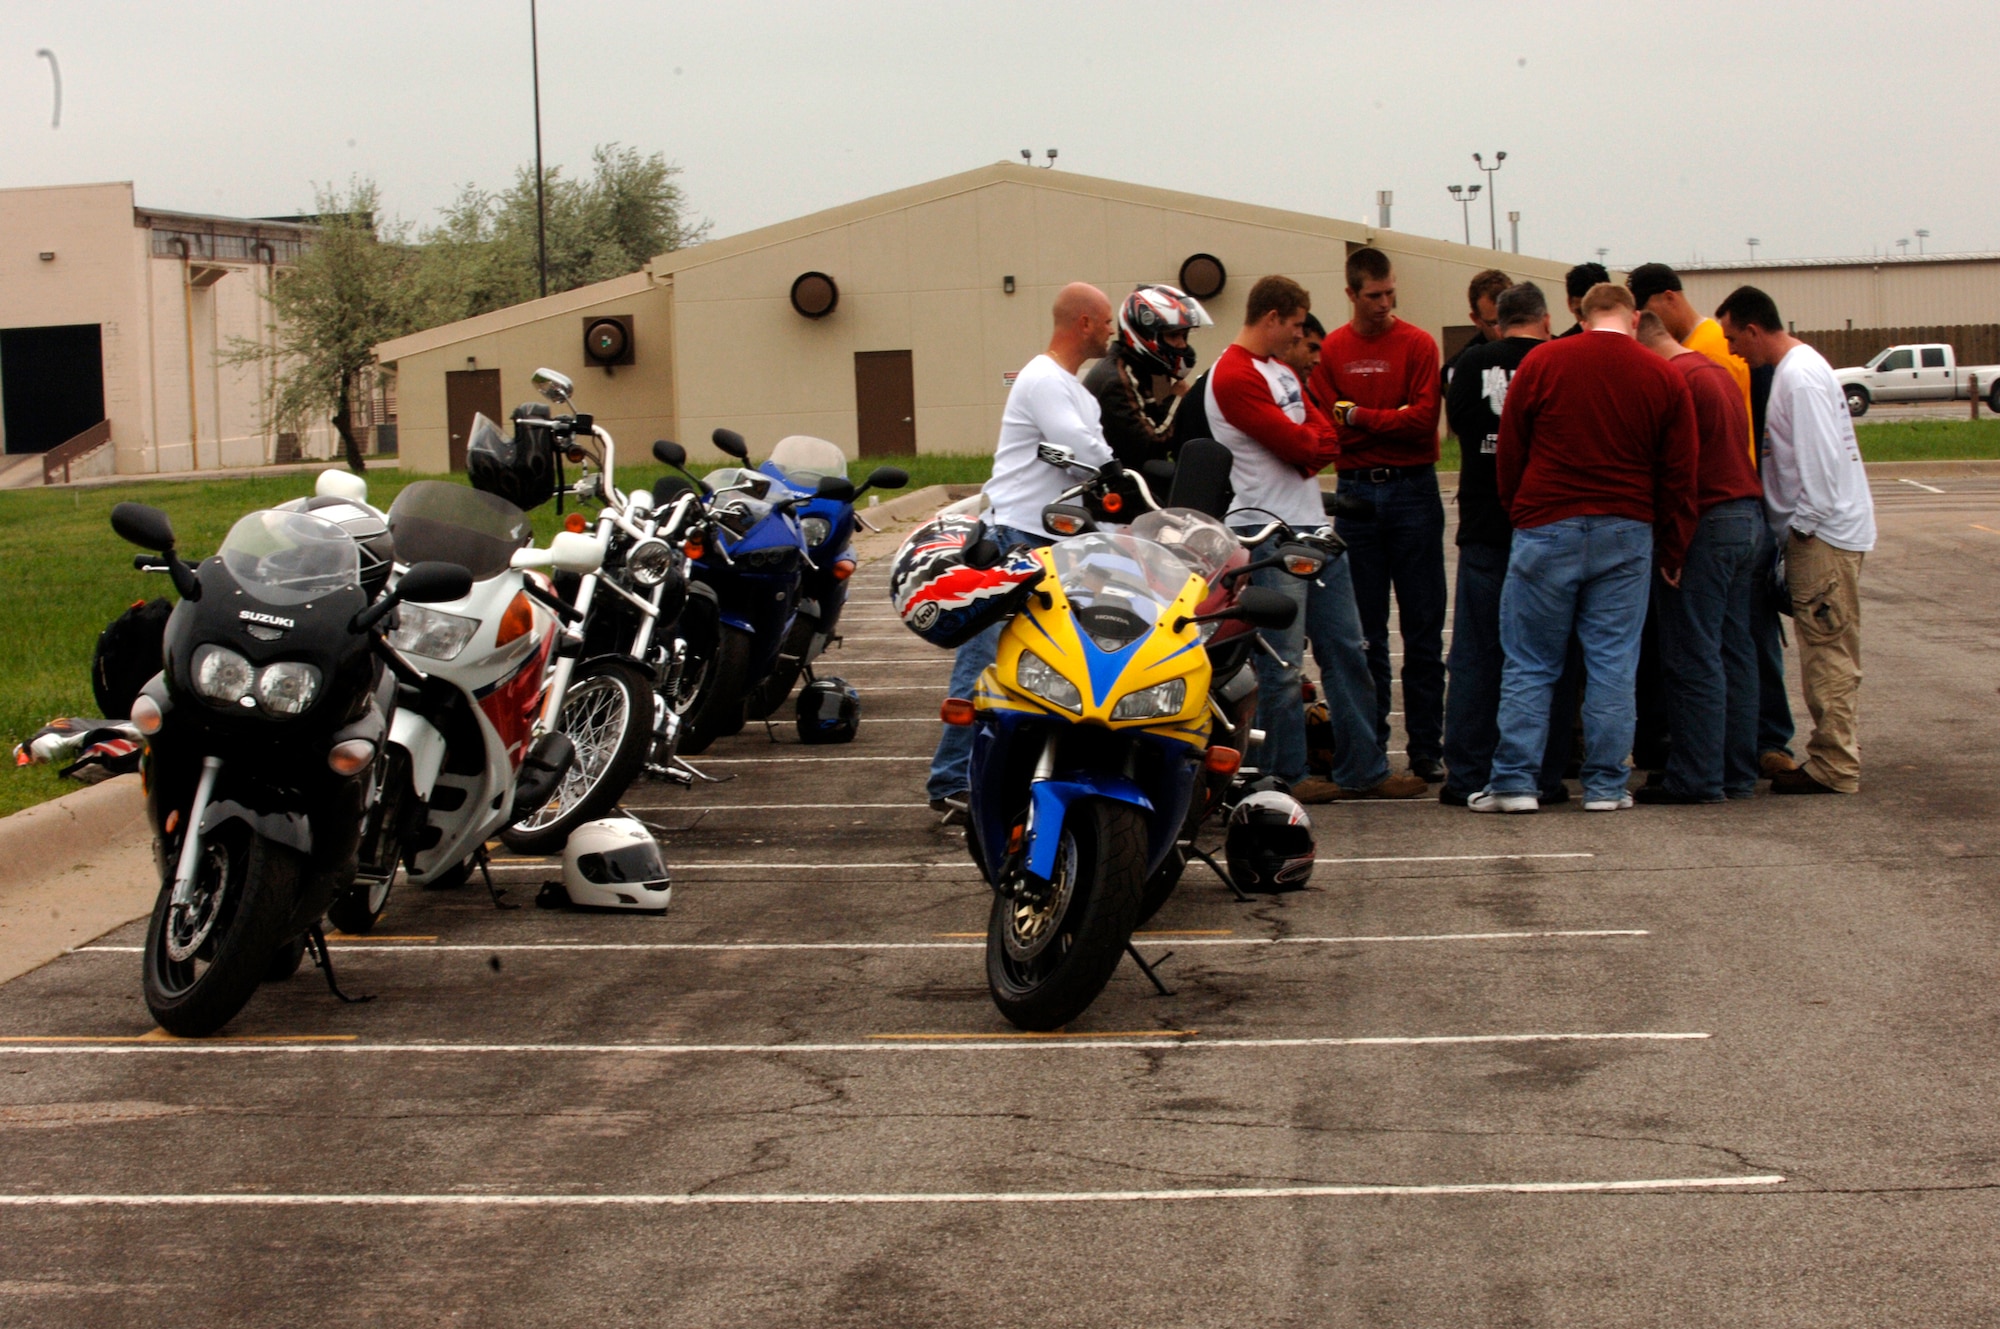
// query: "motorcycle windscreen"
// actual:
[[289, 558], [1117, 585], [803, 459], [437, 520], [1204, 544]]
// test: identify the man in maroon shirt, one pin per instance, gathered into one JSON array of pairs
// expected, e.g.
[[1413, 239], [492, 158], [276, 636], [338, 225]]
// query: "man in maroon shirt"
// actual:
[[1596, 468], [1707, 654], [1380, 376]]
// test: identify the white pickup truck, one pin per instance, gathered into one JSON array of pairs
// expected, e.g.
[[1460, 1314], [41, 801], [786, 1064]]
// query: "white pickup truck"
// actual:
[[1921, 372]]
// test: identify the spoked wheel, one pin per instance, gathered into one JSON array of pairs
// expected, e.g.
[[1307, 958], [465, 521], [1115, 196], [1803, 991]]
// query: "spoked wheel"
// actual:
[[710, 697], [203, 962], [771, 691], [608, 715], [1047, 961]]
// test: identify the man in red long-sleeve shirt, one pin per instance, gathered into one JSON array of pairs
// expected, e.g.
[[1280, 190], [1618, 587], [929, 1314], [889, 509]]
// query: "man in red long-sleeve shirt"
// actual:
[[1379, 378], [1596, 467]]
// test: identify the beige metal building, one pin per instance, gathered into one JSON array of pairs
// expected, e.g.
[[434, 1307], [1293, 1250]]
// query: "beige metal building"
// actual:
[[1839, 293], [892, 325], [115, 318]]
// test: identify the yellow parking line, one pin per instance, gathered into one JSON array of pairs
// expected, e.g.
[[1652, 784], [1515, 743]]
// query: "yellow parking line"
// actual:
[[162, 1036], [1988, 529], [986, 1038]]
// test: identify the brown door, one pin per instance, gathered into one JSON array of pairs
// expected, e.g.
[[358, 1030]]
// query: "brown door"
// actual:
[[467, 391], [885, 404]]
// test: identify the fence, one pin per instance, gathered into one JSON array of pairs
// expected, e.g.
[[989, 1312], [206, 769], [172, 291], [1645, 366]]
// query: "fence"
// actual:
[[72, 455], [1972, 343]]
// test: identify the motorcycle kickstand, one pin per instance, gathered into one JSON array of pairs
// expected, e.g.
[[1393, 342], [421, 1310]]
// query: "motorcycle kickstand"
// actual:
[[1149, 969], [323, 960], [482, 858], [1221, 872]]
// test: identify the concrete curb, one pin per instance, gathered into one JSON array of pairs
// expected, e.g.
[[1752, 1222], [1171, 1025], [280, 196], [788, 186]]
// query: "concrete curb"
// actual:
[[81, 865]]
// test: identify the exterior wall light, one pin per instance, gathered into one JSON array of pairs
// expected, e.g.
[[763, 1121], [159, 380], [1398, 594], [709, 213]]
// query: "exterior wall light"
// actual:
[[48, 256], [1203, 276], [1007, 284], [815, 295]]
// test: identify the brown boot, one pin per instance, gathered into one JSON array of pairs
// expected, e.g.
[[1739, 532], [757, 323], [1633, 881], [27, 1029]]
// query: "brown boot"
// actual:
[[1400, 785], [1312, 789], [1796, 781], [1773, 764]]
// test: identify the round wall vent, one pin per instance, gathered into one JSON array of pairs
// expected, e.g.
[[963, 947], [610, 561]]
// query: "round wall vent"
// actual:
[[1203, 276], [814, 294]]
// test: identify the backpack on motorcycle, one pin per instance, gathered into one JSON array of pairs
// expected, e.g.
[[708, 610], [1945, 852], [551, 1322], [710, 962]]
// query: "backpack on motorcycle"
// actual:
[[129, 652], [829, 711], [1270, 844]]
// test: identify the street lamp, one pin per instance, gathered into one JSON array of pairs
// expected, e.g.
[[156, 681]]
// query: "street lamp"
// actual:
[[541, 206], [1463, 195], [1492, 217], [1514, 229], [1904, 245], [1753, 242], [1922, 235], [1601, 252]]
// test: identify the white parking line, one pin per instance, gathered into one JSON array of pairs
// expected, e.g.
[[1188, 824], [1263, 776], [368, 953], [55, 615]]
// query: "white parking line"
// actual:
[[463, 1200], [541, 864], [1164, 939], [1928, 489], [890, 1044]]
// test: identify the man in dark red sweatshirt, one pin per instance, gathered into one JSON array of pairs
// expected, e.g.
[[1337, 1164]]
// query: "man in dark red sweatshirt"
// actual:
[[1596, 468], [1379, 376]]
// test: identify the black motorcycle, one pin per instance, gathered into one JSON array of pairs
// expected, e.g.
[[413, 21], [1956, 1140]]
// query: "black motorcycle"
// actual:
[[261, 730]]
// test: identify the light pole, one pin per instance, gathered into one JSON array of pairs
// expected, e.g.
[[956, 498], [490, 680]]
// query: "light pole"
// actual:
[[1514, 230], [1492, 217], [541, 204], [1384, 199], [1753, 242], [1904, 245], [1463, 195], [1601, 252], [1922, 235]]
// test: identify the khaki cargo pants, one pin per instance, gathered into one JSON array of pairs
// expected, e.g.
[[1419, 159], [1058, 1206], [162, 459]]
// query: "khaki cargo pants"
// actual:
[[1825, 583]]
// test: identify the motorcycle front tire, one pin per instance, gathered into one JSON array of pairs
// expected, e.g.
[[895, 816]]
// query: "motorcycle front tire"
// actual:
[[717, 709], [1058, 984], [770, 693], [1159, 887], [608, 714], [259, 880]]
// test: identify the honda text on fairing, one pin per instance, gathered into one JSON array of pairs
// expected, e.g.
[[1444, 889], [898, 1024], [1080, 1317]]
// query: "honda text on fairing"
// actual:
[[263, 730]]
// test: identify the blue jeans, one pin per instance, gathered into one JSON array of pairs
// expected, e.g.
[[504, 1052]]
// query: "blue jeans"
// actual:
[[1326, 615], [1402, 547], [951, 764], [1472, 701], [1775, 726], [1708, 661], [1588, 575]]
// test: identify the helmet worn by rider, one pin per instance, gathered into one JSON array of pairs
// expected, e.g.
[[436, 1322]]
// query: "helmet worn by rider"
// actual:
[[1270, 844], [829, 711], [946, 599], [519, 467], [611, 863], [1145, 319]]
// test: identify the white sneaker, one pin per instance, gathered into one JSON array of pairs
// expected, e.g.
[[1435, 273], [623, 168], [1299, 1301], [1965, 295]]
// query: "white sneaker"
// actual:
[[1488, 801], [1618, 804]]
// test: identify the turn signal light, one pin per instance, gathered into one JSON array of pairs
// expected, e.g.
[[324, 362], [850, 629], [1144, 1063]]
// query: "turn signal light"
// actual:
[[1063, 523], [693, 549], [351, 757], [1223, 761], [1300, 565], [1113, 503], [576, 523], [518, 621], [173, 821], [956, 710], [843, 569], [146, 716]]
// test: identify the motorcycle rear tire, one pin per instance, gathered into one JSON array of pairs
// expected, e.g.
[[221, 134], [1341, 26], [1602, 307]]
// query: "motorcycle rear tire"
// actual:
[[259, 881], [717, 709], [770, 693], [356, 910], [285, 961], [1058, 984], [607, 761]]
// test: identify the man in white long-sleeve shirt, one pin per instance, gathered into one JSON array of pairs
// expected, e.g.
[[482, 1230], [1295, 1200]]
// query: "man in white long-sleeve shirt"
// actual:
[[1047, 404], [1816, 497]]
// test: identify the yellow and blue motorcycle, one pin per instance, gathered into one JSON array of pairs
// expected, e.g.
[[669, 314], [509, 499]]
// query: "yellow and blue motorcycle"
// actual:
[[1091, 734]]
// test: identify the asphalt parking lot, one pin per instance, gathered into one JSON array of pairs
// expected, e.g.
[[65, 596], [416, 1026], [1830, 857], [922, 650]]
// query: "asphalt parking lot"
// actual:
[[1676, 1066]]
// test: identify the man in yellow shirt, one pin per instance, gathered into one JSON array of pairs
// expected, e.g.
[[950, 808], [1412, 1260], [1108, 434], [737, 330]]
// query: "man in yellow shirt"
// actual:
[[1657, 287]]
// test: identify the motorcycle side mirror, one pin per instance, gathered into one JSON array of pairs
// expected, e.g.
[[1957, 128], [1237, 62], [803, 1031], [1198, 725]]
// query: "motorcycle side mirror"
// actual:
[[144, 526], [836, 487], [1055, 454], [886, 477], [1066, 519], [668, 453], [1302, 560], [556, 387], [732, 443], [1262, 607], [434, 583]]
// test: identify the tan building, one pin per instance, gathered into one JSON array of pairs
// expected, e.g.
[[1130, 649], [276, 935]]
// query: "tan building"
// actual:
[[115, 320], [892, 325], [1827, 294]]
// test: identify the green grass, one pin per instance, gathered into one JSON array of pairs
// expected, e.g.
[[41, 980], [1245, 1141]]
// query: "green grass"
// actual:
[[1930, 440]]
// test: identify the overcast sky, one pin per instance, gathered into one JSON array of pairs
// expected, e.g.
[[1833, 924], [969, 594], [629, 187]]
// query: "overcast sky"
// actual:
[[1658, 131]]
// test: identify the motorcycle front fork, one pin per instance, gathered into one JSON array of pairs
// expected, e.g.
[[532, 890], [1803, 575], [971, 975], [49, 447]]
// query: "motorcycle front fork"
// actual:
[[189, 866]]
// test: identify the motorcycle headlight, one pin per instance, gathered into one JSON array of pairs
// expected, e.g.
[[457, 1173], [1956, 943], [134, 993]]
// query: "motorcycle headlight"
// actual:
[[220, 674], [1039, 677], [288, 687], [815, 530], [1154, 703], [649, 562], [431, 633]]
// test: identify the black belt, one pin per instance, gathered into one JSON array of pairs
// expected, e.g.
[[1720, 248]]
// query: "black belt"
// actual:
[[1382, 475]]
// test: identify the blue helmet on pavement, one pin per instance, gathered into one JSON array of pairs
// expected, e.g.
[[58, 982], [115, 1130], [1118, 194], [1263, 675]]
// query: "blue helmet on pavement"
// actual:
[[829, 711]]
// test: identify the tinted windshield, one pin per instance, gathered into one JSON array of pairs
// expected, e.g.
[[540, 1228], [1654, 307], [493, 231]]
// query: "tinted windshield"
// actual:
[[802, 460], [1197, 539], [288, 558], [1119, 571], [437, 520]]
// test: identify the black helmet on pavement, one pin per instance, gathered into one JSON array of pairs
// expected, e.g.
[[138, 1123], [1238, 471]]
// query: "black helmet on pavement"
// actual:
[[519, 467], [829, 711], [1270, 844]]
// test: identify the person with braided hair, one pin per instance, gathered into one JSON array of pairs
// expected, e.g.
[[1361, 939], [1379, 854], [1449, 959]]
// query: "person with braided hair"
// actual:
[[1141, 385]]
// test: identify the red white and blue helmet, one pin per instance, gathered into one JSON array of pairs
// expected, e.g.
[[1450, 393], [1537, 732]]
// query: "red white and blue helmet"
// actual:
[[1145, 319], [944, 599]]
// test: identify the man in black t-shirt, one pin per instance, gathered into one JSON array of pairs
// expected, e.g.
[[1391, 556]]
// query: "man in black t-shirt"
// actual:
[[1472, 406], [1576, 284]]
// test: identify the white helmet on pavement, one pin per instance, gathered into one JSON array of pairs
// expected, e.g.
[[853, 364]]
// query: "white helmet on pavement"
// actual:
[[614, 863]]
